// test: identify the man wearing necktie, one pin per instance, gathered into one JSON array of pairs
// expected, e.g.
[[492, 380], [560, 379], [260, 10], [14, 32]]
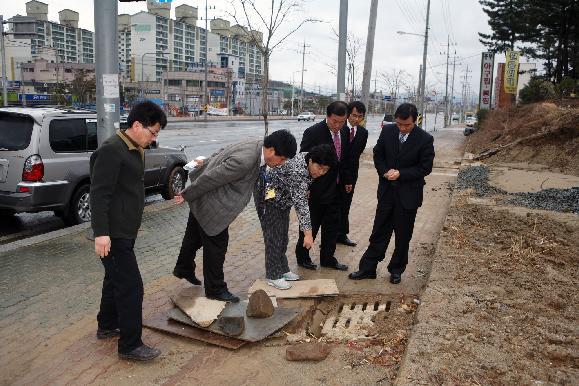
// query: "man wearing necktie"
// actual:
[[403, 156], [358, 136], [327, 192]]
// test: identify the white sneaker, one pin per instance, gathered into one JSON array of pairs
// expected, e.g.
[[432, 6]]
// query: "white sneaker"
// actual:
[[290, 276], [279, 284]]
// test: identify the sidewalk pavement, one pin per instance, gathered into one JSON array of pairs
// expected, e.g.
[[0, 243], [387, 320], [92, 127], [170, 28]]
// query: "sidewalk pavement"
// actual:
[[51, 292]]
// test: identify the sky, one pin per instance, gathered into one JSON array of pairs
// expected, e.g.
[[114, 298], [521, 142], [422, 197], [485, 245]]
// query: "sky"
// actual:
[[461, 20]]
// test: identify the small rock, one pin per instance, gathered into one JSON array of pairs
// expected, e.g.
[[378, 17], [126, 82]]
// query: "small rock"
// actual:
[[232, 325], [307, 352], [260, 305], [416, 301]]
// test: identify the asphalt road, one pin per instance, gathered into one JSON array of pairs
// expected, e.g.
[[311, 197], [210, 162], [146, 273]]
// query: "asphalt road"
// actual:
[[198, 138]]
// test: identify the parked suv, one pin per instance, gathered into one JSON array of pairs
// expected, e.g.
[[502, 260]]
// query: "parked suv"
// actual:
[[44, 162]]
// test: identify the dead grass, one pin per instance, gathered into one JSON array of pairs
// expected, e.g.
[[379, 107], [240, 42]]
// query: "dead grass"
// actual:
[[558, 149]]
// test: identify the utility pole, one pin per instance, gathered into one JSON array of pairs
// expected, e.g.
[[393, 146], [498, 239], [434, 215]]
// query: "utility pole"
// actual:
[[424, 55], [342, 39], [452, 87], [228, 91], [303, 64], [205, 96], [446, 86], [464, 97], [4, 79], [293, 95], [418, 91], [107, 67], [367, 74]]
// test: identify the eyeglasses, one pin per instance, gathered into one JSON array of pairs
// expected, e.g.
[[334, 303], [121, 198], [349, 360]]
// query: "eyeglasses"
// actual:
[[153, 133], [358, 116]]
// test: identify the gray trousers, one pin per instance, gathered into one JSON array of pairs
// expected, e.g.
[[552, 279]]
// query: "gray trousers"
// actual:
[[274, 225]]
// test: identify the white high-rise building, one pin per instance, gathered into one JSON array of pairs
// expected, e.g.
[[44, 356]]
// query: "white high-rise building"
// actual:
[[73, 44], [151, 43]]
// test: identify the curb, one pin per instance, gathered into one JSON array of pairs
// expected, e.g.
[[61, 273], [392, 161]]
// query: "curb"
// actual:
[[29, 241], [43, 237]]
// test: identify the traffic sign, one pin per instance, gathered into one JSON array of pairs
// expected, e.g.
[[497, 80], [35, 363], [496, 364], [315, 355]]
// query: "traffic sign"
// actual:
[[387, 97]]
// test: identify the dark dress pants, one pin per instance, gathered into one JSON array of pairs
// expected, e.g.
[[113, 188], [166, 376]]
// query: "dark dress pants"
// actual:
[[326, 216], [345, 214], [390, 217], [214, 250], [122, 295]]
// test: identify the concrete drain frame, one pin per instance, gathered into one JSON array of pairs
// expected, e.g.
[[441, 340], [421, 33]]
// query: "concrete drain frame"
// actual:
[[354, 316]]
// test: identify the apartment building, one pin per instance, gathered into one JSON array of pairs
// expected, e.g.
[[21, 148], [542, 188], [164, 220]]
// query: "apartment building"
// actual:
[[73, 44]]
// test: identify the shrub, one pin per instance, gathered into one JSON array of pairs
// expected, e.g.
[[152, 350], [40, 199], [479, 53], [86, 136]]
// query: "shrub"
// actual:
[[536, 91]]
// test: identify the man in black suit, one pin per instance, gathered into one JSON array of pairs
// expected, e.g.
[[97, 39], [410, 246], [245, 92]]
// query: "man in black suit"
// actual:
[[358, 136], [326, 192], [403, 156]]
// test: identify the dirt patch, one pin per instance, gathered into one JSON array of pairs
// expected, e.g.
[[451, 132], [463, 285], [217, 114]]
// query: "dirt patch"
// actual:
[[553, 134], [501, 306]]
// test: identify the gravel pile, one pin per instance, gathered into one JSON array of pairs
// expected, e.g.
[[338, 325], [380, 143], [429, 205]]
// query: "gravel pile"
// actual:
[[477, 178], [559, 200]]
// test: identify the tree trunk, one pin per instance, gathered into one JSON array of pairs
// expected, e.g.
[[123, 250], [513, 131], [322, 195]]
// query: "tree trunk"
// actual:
[[264, 91]]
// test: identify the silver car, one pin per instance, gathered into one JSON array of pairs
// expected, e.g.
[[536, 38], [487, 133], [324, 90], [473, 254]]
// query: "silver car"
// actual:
[[44, 162]]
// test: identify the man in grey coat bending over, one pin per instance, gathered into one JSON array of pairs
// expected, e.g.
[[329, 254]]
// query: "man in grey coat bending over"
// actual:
[[219, 191]]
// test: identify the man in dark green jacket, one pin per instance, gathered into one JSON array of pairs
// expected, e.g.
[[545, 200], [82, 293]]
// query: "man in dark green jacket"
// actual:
[[117, 199]]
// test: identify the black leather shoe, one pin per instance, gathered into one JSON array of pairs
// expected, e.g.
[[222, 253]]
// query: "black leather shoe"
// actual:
[[395, 278], [106, 334], [360, 275], [224, 296], [338, 266], [307, 265], [346, 241], [141, 353], [189, 276]]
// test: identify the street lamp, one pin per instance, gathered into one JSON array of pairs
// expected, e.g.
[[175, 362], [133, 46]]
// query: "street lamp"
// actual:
[[143, 68], [408, 33], [423, 74], [24, 28]]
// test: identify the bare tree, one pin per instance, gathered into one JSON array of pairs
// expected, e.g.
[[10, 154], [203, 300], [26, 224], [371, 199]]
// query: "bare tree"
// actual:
[[353, 48], [394, 80], [354, 45], [83, 86], [269, 19]]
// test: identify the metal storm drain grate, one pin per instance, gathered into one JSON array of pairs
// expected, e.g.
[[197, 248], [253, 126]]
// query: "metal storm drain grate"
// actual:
[[352, 320]]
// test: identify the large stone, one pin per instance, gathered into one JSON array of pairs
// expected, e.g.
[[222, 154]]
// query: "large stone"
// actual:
[[260, 305], [317, 323], [307, 352], [232, 325]]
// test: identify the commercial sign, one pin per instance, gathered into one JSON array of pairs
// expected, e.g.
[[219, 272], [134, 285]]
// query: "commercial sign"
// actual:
[[13, 84], [486, 80], [38, 97], [142, 28], [217, 91], [512, 71]]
